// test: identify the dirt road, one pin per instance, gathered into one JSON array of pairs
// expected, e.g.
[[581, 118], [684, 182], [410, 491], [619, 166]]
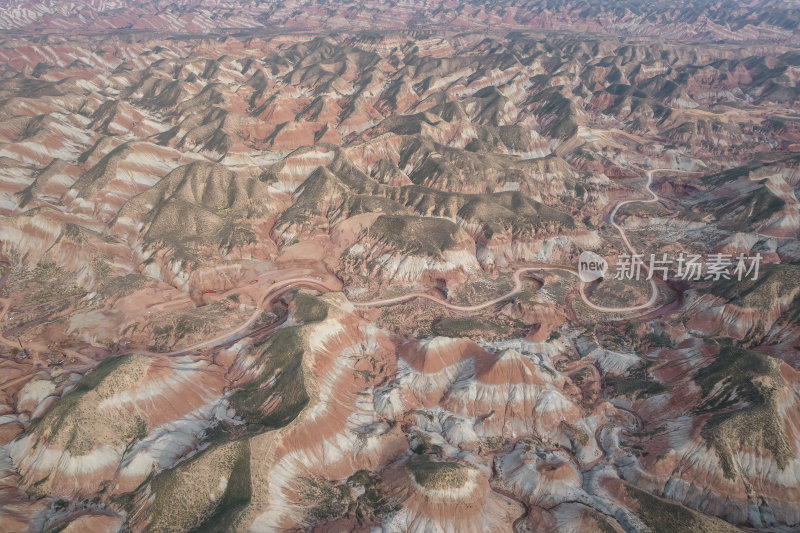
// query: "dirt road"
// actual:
[[317, 283], [518, 283], [242, 330], [320, 284], [653, 287]]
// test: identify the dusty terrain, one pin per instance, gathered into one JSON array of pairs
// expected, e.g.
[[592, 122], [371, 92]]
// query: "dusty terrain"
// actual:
[[263, 270]]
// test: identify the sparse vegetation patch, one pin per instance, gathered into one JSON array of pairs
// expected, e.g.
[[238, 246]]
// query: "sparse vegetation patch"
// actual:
[[437, 475]]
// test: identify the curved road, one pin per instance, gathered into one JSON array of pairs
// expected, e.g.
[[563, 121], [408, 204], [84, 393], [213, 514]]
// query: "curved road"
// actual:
[[653, 287], [227, 336], [518, 283], [466, 308], [317, 284]]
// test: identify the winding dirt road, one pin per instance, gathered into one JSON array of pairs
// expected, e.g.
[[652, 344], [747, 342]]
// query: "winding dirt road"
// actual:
[[653, 287], [230, 335], [465, 308], [518, 282], [318, 283]]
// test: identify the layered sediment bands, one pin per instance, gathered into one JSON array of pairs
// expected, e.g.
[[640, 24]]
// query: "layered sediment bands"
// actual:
[[541, 480], [506, 393], [750, 309], [405, 248], [339, 432], [761, 20], [196, 212], [732, 427], [132, 415], [300, 280], [436, 494], [127, 170]]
